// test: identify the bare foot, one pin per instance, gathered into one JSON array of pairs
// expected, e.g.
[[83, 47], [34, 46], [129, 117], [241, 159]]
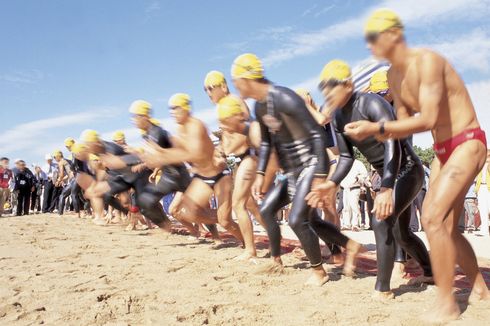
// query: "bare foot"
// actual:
[[274, 267], [419, 280], [352, 250], [443, 313], [246, 256], [338, 260], [99, 221], [130, 227], [299, 254], [383, 296], [141, 227], [116, 220], [318, 276]]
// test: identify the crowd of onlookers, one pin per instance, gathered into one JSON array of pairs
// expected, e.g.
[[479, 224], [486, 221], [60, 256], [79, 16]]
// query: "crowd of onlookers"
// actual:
[[24, 190], [356, 196]]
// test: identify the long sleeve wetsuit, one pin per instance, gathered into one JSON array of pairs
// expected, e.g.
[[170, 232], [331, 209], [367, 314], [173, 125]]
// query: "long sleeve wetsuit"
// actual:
[[399, 168], [288, 127]]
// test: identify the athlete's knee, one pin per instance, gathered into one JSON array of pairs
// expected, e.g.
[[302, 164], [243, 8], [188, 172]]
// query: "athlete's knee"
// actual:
[[224, 218], [188, 210], [432, 222], [239, 206], [225, 222]]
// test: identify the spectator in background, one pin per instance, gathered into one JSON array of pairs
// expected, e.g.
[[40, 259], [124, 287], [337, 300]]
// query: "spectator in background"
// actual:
[[417, 204], [24, 185], [6, 176], [483, 191], [60, 178], [39, 179], [50, 169], [470, 209], [14, 192], [351, 214]]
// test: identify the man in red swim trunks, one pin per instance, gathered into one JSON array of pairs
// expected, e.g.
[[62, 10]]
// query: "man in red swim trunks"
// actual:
[[423, 82]]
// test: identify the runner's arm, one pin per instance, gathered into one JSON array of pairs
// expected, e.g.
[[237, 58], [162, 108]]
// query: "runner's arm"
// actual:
[[264, 148], [346, 157], [380, 110]]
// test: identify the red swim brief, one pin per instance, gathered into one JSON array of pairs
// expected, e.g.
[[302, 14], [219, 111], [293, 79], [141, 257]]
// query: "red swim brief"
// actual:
[[445, 149]]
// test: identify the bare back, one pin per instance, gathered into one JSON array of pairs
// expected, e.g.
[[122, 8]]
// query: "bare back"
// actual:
[[456, 112]]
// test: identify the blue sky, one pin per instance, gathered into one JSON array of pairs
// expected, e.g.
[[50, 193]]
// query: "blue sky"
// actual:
[[70, 65]]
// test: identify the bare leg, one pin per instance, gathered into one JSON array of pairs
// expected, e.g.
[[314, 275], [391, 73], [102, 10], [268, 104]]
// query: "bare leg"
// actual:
[[244, 178], [194, 206], [222, 190], [449, 184]]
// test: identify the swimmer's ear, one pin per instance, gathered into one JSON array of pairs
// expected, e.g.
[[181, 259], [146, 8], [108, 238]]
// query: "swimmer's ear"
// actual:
[[349, 85], [224, 87], [396, 34]]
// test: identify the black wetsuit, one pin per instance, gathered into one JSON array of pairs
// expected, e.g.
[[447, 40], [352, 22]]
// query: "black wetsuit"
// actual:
[[174, 177], [124, 179], [400, 169], [288, 127]]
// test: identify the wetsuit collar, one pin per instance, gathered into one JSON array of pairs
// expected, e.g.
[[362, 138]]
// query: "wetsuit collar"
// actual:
[[350, 102]]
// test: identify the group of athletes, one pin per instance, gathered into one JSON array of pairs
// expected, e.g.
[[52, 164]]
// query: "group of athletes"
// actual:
[[292, 134]]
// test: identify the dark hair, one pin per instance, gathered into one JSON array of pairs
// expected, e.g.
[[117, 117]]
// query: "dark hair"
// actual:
[[263, 80], [4, 159]]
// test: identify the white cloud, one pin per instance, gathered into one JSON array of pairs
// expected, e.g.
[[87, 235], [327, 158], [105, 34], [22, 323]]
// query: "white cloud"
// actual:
[[466, 52], [324, 10], [32, 135], [308, 10], [152, 7], [22, 77], [423, 12]]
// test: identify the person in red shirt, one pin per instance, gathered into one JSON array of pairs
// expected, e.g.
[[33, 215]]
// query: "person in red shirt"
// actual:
[[5, 177]]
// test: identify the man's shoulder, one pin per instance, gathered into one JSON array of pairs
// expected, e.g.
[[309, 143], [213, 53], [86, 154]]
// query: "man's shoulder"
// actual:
[[422, 57], [196, 125]]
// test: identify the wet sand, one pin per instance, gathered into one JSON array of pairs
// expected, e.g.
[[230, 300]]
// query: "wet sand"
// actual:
[[65, 271]]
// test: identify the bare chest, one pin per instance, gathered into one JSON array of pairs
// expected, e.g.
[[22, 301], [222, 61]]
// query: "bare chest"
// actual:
[[406, 87]]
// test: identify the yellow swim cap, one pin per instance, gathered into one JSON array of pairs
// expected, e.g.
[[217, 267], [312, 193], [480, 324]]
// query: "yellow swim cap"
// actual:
[[77, 148], [247, 66], [214, 78], [118, 135], [57, 153], [379, 82], [140, 107], [229, 106], [382, 20], [89, 136], [93, 157], [303, 92], [180, 100], [155, 122], [336, 70], [69, 142]]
